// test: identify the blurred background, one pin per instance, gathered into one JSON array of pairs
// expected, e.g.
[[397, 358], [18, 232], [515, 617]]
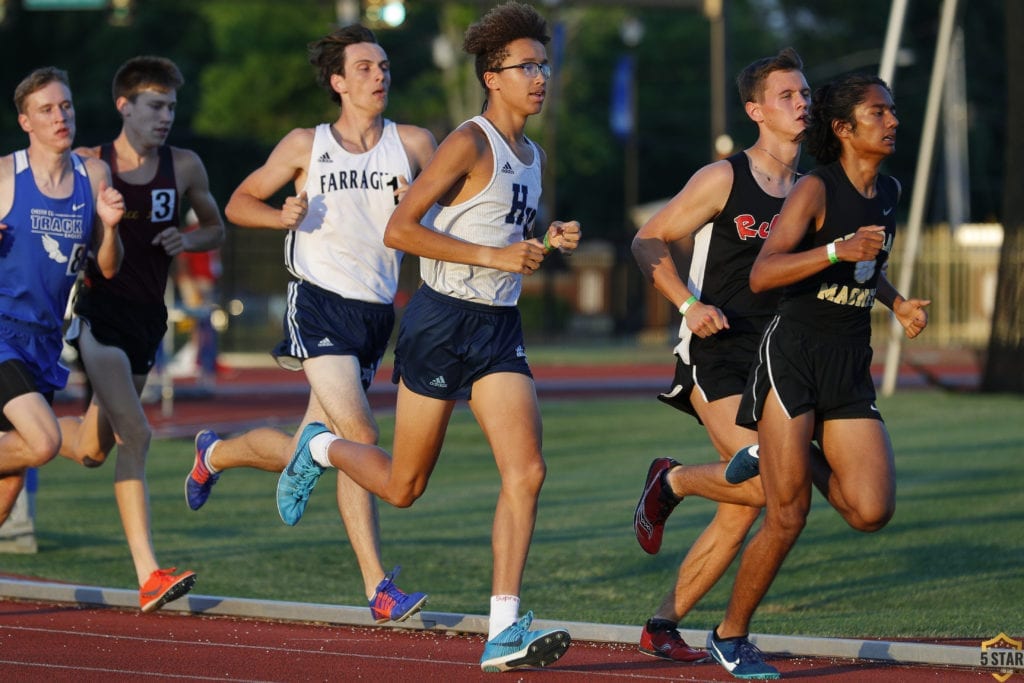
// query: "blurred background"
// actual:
[[642, 96]]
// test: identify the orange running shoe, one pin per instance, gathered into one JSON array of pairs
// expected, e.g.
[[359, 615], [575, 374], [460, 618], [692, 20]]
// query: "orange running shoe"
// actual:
[[162, 586]]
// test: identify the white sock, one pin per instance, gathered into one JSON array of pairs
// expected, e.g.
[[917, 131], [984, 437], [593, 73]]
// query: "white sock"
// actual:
[[504, 613], [206, 457], [318, 446]]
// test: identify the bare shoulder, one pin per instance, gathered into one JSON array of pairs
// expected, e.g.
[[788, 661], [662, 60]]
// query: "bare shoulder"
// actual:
[[293, 149], [187, 164], [809, 185], [96, 168], [709, 187], [88, 152], [419, 144], [185, 157], [718, 174], [6, 167], [6, 184], [298, 140], [415, 136], [468, 136]]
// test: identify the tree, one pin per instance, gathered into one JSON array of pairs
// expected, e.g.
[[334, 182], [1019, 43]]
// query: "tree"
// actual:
[[1004, 367]]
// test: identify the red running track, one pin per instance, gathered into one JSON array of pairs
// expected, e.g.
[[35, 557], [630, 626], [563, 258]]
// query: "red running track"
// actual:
[[57, 642], [47, 642]]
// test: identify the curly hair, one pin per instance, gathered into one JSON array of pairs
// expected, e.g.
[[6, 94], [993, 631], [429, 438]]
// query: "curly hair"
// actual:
[[750, 81], [832, 102], [327, 54], [489, 37], [145, 73], [37, 80]]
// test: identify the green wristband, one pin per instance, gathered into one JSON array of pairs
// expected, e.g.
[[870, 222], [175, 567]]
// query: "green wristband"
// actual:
[[547, 244], [831, 251], [686, 304]]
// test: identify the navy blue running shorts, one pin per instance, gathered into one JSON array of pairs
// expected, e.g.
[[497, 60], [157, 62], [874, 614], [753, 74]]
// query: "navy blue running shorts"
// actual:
[[322, 323], [446, 344]]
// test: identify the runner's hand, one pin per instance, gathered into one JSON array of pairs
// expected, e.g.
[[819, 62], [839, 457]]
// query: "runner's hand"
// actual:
[[294, 211]]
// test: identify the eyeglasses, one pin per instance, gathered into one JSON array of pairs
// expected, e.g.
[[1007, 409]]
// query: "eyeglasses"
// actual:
[[531, 69]]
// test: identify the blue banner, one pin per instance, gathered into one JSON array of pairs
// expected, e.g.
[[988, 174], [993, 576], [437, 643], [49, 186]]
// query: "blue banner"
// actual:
[[621, 112]]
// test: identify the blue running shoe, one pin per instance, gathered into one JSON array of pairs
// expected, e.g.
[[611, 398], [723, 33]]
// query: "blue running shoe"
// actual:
[[740, 657], [518, 646], [200, 480], [299, 477], [390, 603], [746, 464]]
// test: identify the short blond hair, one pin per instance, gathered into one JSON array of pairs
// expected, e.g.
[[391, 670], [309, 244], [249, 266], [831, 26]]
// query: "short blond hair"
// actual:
[[37, 80]]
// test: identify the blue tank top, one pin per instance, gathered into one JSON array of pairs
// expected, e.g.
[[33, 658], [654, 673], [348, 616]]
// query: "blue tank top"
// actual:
[[41, 251]]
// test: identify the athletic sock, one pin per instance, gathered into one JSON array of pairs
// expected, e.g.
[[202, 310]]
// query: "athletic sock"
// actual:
[[504, 613], [206, 458], [667, 494], [658, 624], [318, 447]]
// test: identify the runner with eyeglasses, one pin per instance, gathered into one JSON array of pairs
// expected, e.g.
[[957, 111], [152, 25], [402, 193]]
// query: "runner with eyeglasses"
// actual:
[[470, 218]]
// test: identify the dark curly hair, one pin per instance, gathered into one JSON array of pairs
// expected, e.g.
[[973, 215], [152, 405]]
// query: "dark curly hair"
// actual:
[[327, 54], [489, 37], [835, 101], [750, 81]]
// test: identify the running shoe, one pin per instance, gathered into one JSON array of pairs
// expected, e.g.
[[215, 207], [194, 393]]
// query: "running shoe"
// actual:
[[390, 603], [200, 480], [299, 477], [162, 586], [746, 464], [517, 646], [656, 503], [660, 638], [740, 657]]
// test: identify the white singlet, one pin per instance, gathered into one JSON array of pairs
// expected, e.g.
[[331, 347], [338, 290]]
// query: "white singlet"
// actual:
[[501, 214], [340, 244]]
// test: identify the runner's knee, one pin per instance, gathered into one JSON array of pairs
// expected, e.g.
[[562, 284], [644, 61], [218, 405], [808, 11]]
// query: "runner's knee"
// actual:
[[787, 520], [404, 496], [870, 518], [361, 433], [527, 478], [42, 450]]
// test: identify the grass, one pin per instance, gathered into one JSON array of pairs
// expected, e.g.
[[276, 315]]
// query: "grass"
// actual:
[[948, 565]]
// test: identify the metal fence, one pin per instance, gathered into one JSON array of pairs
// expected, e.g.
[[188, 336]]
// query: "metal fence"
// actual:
[[957, 270]]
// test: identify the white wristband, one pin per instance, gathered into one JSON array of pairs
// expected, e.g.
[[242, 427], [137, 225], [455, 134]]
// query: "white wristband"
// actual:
[[831, 251], [686, 304]]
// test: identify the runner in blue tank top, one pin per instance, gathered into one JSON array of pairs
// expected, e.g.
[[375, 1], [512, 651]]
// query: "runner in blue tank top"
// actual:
[[812, 377], [54, 208], [120, 321]]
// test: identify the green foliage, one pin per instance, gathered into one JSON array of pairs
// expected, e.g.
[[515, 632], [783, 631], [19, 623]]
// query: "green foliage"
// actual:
[[260, 93], [248, 83], [946, 566]]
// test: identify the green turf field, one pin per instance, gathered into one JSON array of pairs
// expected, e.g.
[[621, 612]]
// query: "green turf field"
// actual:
[[949, 564]]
